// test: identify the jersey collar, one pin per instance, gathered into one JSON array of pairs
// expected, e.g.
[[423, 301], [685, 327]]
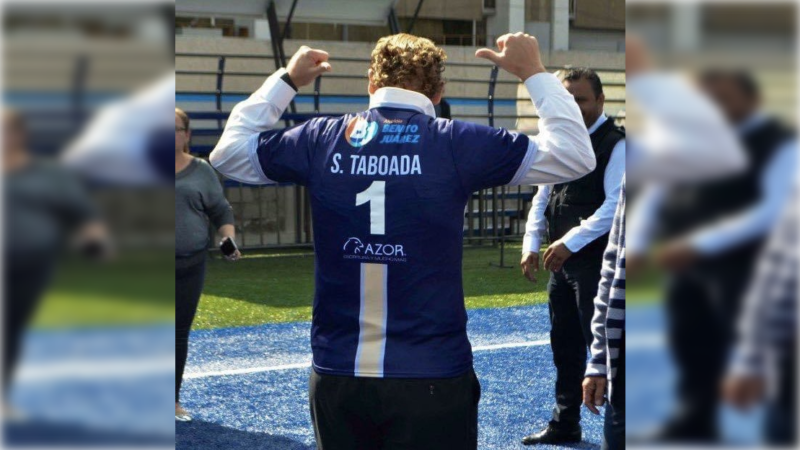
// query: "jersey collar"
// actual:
[[402, 98]]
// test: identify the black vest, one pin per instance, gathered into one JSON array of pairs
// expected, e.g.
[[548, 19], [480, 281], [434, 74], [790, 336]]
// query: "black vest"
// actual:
[[572, 202], [688, 207]]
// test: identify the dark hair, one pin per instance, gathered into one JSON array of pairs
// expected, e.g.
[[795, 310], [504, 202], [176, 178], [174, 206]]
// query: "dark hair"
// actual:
[[742, 78], [185, 119], [578, 73]]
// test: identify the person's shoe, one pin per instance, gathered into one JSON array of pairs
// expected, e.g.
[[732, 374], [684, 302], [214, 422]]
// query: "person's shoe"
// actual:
[[674, 432], [553, 435], [181, 415]]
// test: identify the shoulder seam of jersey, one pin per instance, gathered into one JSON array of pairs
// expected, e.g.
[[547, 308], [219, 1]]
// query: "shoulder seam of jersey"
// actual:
[[526, 162], [252, 152]]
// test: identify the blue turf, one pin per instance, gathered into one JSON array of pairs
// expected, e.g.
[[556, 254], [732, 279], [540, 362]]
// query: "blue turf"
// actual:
[[651, 378], [268, 410]]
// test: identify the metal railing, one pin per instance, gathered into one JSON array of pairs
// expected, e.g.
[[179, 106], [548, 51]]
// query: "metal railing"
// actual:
[[265, 214]]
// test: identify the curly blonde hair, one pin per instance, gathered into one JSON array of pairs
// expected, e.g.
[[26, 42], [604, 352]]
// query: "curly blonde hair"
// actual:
[[408, 62]]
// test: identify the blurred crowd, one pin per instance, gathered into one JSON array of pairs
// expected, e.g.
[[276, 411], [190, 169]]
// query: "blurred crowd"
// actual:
[[87, 203], [717, 230]]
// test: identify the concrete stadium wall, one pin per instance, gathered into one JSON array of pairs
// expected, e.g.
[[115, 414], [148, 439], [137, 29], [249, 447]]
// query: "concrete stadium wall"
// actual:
[[465, 97]]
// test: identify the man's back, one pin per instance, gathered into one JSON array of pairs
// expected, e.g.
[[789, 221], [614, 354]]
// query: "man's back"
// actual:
[[388, 191]]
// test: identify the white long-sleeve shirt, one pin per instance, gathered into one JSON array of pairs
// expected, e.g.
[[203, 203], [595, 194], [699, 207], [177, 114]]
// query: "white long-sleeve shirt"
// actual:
[[561, 151], [683, 137], [118, 145], [590, 228]]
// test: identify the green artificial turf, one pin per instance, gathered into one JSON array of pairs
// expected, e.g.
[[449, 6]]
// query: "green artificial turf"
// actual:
[[268, 288], [263, 287]]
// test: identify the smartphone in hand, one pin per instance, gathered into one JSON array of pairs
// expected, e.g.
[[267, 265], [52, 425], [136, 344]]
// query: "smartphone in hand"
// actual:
[[228, 247]]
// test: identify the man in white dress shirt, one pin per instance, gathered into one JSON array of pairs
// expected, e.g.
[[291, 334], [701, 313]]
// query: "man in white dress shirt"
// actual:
[[712, 233], [577, 217]]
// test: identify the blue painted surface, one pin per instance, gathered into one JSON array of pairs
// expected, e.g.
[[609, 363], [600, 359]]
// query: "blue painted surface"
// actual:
[[651, 378], [269, 410]]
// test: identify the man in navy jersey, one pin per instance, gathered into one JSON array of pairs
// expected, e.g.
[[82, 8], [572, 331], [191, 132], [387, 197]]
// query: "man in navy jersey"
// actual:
[[392, 365]]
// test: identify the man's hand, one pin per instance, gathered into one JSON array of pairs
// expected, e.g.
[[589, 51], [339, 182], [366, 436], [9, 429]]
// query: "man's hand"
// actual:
[[530, 264], [634, 264], [743, 391], [594, 393], [237, 255], [306, 65], [519, 55], [676, 255], [555, 256]]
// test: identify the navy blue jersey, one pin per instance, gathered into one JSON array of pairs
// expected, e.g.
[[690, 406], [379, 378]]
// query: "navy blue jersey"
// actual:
[[388, 190]]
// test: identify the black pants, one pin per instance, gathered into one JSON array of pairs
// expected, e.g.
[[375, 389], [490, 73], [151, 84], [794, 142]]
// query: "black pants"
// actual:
[[24, 285], [571, 295], [614, 420], [702, 308], [352, 413], [188, 288]]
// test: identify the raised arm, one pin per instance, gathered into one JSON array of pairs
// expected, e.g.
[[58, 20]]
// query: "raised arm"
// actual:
[[235, 154], [562, 150]]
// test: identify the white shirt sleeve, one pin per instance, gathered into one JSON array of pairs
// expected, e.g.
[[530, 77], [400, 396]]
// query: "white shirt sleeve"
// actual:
[[600, 222], [537, 223], [113, 146], [234, 155], [642, 220], [562, 151], [776, 182], [683, 137]]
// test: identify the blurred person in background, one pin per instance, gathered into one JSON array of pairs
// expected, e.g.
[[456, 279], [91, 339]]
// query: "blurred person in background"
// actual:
[[680, 135], [605, 372], [199, 199], [577, 217], [125, 143], [46, 207], [713, 231], [443, 109], [764, 362]]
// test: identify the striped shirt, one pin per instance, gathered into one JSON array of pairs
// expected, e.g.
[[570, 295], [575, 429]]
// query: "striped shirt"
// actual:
[[769, 320], [608, 324]]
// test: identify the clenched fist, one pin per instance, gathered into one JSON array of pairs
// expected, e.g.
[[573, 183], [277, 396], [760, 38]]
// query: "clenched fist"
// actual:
[[306, 65], [519, 55]]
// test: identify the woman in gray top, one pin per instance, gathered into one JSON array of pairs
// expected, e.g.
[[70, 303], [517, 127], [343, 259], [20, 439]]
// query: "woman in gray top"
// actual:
[[45, 208], [199, 199]]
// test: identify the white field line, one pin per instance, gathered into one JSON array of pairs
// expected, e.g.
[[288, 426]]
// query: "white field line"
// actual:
[[95, 369], [305, 365], [126, 368], [639, 341]]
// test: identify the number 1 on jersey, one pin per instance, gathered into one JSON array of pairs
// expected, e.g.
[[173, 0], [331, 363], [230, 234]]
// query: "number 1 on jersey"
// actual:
[[375, 195]]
